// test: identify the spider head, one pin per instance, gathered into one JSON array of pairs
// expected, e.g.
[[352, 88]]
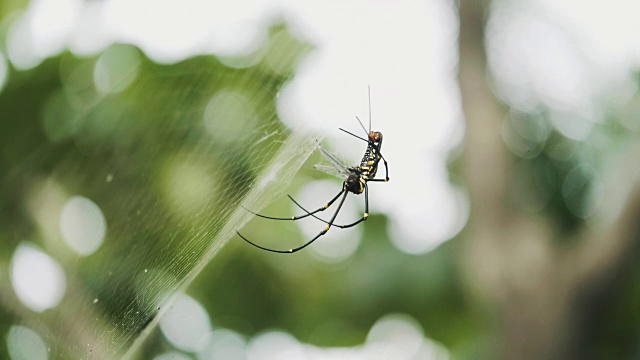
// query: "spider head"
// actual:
[[375, 137]]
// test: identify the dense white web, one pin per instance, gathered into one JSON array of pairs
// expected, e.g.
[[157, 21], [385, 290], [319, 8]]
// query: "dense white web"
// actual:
[[149, 165]]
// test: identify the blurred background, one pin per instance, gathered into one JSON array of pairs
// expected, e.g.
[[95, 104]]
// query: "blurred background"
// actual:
[[134, 131]]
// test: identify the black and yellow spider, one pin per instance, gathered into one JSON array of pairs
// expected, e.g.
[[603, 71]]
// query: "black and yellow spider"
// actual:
[[355, 179]]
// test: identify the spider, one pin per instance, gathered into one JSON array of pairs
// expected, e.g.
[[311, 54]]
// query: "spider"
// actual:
[[355, 179]]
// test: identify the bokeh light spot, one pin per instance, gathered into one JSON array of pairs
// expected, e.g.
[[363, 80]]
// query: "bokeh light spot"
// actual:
[[571, 125], [525, 134], [19, 47], [116, 68], [50, 23], [275, 345], [401, 329], [187, 186], [186, 323], [429, 213], [41, 31], [229, 116], [25, 344], [38, 280], [582, 190], [399, 336], [83, 225], [222, 344]]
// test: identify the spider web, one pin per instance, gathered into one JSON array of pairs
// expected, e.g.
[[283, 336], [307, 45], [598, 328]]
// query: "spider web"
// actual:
[[152, 162]]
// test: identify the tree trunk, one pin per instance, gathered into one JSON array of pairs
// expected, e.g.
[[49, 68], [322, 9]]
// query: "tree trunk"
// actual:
[[531, 284]]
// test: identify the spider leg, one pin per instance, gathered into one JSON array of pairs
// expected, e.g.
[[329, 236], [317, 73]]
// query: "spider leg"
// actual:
[[354, 135], [324, 231], [363, 218], [323, 208]]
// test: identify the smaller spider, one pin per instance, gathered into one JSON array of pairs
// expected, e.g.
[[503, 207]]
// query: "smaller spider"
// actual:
[[355, 179]]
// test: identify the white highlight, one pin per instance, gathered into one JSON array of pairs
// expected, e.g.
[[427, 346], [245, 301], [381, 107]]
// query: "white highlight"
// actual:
[[275, 345], [82, 224], [186, 323], [50, 23], [394, 336], [222, 344], [41, 31], [178, 30], [38, 280], [24, 343]]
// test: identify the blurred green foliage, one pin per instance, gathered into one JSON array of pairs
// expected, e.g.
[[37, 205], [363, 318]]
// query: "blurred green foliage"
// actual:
[[115, 149], [126, 151]]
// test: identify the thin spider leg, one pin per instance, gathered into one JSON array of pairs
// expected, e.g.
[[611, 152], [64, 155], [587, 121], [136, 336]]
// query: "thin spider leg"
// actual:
[[291, 251], [369, 91], [323, 208], [354, 135], [363, 128], [386, 171], [363, 218], [262, 247]]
